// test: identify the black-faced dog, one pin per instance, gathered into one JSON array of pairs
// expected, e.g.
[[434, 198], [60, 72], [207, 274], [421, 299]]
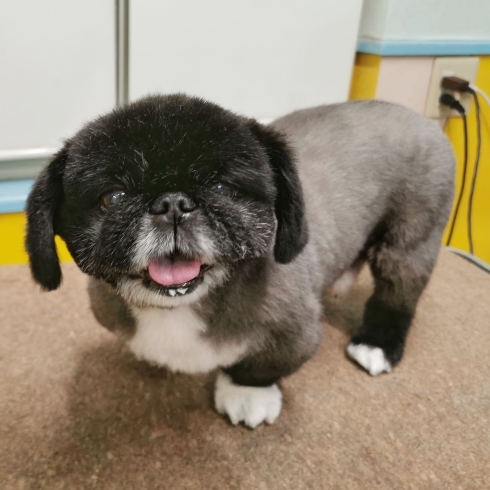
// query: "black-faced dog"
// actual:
[[210, 238]]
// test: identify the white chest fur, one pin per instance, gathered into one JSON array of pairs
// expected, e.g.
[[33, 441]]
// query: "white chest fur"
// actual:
[[174, 338]]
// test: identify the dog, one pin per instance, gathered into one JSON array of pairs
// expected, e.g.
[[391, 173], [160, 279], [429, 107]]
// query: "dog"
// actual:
[[210, 239]]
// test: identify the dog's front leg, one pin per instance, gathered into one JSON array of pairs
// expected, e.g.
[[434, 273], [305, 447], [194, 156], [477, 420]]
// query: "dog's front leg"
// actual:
[[251, 405], [248, 392]]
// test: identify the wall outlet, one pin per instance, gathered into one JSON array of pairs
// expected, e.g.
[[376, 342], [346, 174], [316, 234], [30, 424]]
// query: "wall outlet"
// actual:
[[464, 67]]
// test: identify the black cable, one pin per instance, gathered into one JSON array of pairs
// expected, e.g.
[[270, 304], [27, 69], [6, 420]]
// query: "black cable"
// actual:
[[475, 171], [463, 181], [450, 101]]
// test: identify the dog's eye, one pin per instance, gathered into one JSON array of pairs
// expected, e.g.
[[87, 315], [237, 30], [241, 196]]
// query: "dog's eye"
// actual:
[[224, 190], [112, 198]]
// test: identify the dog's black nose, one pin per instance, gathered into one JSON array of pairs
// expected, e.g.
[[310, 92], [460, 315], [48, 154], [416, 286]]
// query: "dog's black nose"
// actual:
[[173, 205]]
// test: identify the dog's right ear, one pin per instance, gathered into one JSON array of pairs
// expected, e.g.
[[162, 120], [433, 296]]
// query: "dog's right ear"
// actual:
[[42, 208]]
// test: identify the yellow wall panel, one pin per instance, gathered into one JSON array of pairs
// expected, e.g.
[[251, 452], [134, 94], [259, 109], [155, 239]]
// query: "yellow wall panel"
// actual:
[[12, 230], [481, 201], [365, 76]]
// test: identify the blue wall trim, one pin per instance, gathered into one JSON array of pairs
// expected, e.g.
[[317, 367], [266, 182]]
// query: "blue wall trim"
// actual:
[[13, 195], [423, 48]]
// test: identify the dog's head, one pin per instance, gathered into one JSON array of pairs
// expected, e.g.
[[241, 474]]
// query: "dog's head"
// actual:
[[162, 197]]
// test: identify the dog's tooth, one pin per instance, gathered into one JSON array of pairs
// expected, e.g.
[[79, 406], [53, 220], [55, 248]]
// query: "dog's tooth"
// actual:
[[182, 290], [172, 292]]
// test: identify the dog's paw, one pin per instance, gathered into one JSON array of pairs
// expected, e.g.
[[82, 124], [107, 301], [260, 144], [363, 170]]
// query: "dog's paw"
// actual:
[[372, 359], [248, 404]]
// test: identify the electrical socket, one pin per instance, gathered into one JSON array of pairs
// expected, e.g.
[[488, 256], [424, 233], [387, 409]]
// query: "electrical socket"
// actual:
[[464, 67]]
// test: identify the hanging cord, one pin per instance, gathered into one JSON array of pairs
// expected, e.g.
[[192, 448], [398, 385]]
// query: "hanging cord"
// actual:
[[481, 92], [450, 101], [463, 181], [475, 171]]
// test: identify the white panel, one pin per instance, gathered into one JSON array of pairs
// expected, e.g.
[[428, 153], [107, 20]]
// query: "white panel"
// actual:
[[57, 62], [426, 19], [405, 81], [373, 18], [438, 19], [260, 57]]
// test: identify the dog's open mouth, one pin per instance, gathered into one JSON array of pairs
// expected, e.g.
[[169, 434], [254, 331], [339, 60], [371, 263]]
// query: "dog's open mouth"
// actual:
[[175, 275]]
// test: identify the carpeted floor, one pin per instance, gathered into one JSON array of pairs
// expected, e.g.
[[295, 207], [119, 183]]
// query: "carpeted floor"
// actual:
[[77, 411]]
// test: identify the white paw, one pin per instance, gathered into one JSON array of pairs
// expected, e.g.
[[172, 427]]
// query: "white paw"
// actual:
[[372, 359], [248, 404]]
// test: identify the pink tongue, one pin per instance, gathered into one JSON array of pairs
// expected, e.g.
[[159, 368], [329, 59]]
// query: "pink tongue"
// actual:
[[170, 273]]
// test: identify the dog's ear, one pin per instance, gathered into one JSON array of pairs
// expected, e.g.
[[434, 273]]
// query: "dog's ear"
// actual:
[[42, 208], [292, 228]]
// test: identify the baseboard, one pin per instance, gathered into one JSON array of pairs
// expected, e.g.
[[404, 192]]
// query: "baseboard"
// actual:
[[23, 164]]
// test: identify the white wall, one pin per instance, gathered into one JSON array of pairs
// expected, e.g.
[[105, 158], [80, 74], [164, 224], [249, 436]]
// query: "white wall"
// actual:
[[262, 58], [426, 19], [373, 18], [57, 69], [259, 57]]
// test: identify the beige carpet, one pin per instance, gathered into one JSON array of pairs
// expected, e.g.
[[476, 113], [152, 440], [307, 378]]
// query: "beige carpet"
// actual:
[[77, 411]]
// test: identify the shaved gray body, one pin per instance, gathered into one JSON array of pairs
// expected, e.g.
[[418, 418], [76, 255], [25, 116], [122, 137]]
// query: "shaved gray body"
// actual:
[[363, 164]]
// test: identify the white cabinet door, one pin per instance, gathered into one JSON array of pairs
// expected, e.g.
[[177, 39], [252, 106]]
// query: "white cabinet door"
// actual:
[[262, 58], [57, 63]]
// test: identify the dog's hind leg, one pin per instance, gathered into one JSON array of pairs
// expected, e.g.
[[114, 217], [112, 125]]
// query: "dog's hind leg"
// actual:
[[401, 273]]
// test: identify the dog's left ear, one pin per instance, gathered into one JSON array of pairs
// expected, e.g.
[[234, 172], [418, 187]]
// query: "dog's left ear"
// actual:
[[292, 228], [42, 208]]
